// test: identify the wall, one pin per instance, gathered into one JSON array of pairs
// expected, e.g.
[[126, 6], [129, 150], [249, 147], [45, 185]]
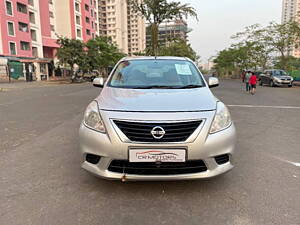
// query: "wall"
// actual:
[[19, 35]]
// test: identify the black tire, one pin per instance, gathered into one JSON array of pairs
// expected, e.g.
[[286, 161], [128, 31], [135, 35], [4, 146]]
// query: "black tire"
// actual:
[[260, 83], [290, 86], [272, 83]]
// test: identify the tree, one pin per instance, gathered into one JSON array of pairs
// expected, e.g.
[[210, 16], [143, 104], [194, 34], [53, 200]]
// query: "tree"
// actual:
[[70, 52], [101, 53], [292, 63], [158, 11], [225, 61], [97, 54], [179, 48], [283, 38], [271, 40], [235, 59], [254, 37]]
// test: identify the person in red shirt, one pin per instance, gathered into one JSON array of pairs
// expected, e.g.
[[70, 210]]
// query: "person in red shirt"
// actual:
[[252, 83]]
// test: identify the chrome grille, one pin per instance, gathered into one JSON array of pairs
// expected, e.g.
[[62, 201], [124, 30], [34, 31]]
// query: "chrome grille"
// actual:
[[141, 131]]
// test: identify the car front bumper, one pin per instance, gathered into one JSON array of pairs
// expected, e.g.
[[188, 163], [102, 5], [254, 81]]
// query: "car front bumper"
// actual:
[[289, 83], [111, 147]]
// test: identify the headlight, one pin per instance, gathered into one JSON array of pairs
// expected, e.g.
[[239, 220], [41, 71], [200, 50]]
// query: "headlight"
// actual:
[[222, 118], [92, 118], [277, 79]]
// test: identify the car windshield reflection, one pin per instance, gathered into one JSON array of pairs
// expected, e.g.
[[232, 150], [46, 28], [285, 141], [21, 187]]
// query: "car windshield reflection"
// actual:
[[156, 74]]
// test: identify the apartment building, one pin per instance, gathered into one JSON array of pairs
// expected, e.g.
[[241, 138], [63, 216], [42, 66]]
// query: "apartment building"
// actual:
[[291, 12], [168, 31], [29, 30], [118, 21]]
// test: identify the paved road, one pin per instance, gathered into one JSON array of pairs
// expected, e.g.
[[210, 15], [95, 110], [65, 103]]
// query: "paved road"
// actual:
[[41, 181]]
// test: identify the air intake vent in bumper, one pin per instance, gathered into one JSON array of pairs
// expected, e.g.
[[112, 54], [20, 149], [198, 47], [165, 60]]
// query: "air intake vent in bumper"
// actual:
[[222, 159], [121, 166]]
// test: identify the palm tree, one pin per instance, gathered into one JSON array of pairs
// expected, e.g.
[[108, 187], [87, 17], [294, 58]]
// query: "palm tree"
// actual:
[[158, 11]]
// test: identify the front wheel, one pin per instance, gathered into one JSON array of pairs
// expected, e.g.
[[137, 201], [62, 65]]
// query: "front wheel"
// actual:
[[290, 86], [272, 83], [260, 83]]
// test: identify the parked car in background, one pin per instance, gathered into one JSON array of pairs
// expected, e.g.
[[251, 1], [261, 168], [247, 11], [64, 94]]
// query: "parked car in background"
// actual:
[[275, 78], [90, 76]]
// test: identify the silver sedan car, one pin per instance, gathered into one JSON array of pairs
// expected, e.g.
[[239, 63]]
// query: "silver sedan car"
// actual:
[[156, 119]]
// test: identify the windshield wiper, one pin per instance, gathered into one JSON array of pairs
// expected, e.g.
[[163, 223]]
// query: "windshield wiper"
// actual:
[[168, 87], [191, 86], [156, 87]]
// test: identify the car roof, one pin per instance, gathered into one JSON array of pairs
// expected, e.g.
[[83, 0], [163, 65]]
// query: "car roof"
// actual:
[[129, 58]]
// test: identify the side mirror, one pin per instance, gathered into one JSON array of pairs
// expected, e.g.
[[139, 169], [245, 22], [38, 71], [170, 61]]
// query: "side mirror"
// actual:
[[98, 82], [213, 82]]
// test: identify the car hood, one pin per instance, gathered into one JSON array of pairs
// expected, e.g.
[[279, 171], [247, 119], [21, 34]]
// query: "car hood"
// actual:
[[156, 100], [283, 77]]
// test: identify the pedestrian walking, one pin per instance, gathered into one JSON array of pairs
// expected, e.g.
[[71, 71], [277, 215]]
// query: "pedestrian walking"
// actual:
[[252, 83], [247, 77], [243, 76]]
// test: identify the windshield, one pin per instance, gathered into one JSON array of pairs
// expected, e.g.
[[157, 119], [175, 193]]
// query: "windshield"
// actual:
[[146, 74], [279, 73]]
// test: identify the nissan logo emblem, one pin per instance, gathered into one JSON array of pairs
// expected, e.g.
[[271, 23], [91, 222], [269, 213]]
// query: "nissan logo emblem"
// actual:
[[158, 132]]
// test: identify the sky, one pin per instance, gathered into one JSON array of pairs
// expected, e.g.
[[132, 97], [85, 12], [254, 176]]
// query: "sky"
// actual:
[[220, 19]]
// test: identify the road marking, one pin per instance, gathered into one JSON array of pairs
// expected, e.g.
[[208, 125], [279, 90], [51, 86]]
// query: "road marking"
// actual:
[[295, 164], [265, 106], [287, 161]]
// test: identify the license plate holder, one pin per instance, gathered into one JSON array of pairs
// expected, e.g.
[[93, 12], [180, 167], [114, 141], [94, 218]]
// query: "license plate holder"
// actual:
[[157, 155]]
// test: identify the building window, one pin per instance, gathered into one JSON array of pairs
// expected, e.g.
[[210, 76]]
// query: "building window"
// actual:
[[31, 17], [25, 46], [12, 48], [9, 9], [78, 32], [51, 14], [50, 2], [92, 24], [31, 2], [77, 7], [11, 28], [87, 8], [33, 35], [78, 20], [21, 8], [52, 27], [35, 52], [88, 32], [23, 27], [87, 20]]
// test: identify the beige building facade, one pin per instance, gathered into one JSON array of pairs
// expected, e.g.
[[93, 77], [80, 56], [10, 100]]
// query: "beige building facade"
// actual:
[[126, 28], [290, 12]]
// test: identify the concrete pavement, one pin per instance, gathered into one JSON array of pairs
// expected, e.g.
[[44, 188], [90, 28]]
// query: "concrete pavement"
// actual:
[[41, 181]]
